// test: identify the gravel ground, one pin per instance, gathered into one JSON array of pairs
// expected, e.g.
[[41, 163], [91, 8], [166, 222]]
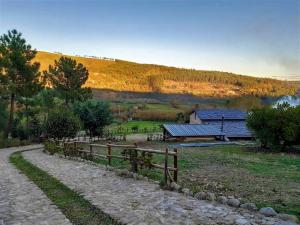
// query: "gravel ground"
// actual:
[[21, 201]]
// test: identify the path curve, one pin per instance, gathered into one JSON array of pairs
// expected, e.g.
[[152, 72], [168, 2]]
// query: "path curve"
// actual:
[[140, 202], [21, 201]]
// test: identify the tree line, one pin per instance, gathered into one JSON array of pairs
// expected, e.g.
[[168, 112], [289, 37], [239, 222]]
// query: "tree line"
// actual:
[[246, 85], [53, 102]]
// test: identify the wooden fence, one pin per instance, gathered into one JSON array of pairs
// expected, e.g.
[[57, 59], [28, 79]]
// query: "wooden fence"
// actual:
[[107, 137], [136, 156], [155, 137], [125, 131]]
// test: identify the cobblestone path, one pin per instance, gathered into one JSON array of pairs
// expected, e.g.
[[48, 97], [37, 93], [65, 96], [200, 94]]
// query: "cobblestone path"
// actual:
[[21, 201], [140, 202]]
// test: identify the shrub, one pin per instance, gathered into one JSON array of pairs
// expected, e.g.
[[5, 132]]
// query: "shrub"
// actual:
[[18, 130], [51, 147], [14, 142], [71, 150], [95, 115], [3, 116], [135, 128], [62, 123], [35, 129], [276, 127]]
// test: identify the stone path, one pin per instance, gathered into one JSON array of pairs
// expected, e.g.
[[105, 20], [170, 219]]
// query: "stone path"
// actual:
[[21, 201], [140, 202]]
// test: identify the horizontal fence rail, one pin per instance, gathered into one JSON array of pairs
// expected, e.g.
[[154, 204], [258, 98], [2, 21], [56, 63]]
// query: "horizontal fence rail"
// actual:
[[134, 155]]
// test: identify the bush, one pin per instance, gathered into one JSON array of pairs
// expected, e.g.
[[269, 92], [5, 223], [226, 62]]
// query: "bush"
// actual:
[[18, 130], [95, 115], [62, 123], [276, 127], [35, 129], [3, 116], [135, 128], [71, 150], [51, 147], [14, 142]]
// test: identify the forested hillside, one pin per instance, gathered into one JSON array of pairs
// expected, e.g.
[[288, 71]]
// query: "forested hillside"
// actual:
[[128, 76]]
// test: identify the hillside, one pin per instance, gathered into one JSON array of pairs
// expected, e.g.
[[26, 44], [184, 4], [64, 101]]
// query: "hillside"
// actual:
[[128, 76]]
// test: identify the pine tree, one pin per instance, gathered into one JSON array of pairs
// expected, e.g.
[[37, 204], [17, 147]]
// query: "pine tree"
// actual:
[[20, 77], [67, 78]]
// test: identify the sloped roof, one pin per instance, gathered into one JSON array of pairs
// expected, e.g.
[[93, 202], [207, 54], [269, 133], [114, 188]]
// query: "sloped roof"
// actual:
[[230, 129], [216, 114], [193, 130], [234, 128]]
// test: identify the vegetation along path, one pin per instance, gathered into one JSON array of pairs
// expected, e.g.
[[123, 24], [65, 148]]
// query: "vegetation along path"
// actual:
[[21, 202], [139, 202]]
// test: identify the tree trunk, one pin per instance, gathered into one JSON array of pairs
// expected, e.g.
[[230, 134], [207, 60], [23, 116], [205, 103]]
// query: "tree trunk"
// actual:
[[11, 115], [27, 122]]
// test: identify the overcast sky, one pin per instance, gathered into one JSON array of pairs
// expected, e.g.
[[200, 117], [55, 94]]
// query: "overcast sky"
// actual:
[[254, 37]]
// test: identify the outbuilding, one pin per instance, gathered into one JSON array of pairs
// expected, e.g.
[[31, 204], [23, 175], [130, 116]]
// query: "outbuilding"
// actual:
[[220, 124]]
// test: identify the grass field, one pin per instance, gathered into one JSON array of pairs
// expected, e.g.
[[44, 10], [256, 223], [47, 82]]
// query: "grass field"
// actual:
[[128, 127], [264, 178]]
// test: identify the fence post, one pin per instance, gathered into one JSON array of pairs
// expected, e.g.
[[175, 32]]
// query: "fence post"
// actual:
[[75, 146], [109, 153], [175, 165], [134, 159], [91, 151], [166, 167]]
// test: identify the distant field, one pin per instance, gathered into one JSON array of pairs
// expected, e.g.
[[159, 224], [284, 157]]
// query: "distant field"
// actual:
[[264, 178], [135, 127]]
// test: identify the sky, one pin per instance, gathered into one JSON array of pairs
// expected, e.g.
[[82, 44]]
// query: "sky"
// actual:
[[251, 37]]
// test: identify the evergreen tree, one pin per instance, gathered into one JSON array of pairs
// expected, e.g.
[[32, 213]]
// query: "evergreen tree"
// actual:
[[95, 115], [67, 78], [46, 101], [18, 75]]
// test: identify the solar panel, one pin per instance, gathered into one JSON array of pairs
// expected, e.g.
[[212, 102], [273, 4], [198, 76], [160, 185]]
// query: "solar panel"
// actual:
[[191, 130], [230, 129], [216, 114]]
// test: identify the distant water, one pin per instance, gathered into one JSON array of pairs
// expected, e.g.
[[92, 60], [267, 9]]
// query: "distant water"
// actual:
[[292, 100]]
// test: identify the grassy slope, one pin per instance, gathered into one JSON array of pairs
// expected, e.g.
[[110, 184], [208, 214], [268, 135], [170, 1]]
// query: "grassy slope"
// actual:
[[128, 76]]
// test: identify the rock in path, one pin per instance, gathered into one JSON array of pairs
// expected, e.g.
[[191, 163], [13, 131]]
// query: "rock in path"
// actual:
[[268, 211]]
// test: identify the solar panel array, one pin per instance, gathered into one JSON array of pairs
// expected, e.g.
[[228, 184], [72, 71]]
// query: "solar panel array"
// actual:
[[216, 114], [234, 128], [193, 130], [230, 129]]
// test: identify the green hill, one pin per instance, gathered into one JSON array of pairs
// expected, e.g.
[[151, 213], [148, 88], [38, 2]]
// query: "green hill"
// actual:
[[122, 75]]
